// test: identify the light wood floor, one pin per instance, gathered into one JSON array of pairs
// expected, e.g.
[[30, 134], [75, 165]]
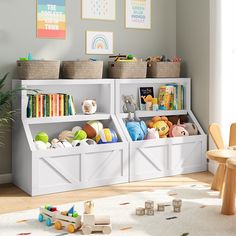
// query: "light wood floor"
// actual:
[[13, 199]]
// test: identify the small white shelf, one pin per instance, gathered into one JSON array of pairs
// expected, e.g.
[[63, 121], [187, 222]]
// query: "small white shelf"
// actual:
[[61, 119], [156, 113]]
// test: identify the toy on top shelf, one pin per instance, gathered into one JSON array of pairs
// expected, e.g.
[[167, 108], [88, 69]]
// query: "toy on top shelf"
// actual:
[[126, 58], [161, 124], [47, 213], [130, 105], [106, 136], [92, 223], [69, 219], [89, 107]]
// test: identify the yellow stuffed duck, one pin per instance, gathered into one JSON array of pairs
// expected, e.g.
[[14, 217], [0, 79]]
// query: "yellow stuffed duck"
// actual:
[[161, 124]]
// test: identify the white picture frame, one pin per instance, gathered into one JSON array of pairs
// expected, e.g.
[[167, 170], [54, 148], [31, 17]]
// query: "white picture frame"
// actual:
[[99, 42], [138, 14], [98, 9]]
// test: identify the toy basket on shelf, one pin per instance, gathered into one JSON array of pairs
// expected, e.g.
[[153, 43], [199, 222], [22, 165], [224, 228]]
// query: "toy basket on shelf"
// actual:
[[82, 69], [163, 70], [122, 69], [38, 69]]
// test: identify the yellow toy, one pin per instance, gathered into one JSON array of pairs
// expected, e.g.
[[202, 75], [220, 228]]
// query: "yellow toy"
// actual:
[[161, 124], [147, 98]]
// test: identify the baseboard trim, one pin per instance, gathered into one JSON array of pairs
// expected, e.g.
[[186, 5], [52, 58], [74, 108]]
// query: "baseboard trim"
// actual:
[[212, 167], [6, 178]]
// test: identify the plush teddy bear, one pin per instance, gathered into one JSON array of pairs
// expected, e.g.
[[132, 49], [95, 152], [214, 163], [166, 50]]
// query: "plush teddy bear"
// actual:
[[161, 124], [178, 131]]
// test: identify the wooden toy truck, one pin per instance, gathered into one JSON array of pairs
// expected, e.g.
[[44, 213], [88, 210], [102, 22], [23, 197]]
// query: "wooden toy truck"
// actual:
[[94, 223], [48, 216], [70, 223]]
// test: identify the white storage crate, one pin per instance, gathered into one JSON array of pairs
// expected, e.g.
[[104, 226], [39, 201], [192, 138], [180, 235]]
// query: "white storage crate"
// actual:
[[164, 157], [55, 170]]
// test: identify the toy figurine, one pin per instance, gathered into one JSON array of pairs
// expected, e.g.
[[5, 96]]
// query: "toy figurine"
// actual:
[[89, 107], [88, 207]]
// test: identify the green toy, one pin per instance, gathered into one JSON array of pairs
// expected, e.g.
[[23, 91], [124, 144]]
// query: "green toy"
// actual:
[[41, 136], [80, 135], [130, 57]]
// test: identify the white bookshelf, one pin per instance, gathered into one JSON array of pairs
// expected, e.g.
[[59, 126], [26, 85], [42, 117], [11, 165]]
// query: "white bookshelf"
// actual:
[[55, 170], [168, 156]]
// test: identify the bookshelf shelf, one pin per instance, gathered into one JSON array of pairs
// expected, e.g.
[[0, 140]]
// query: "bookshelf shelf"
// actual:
[[61, 119]]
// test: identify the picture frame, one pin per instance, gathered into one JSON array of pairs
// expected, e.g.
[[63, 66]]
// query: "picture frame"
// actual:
[[51, 19], [98, 10], [99, 42], [144, 92], [138, 14]]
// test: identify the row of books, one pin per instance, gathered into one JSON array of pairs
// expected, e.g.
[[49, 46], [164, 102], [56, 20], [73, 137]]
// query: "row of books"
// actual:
[[171, 97], [50, 105]]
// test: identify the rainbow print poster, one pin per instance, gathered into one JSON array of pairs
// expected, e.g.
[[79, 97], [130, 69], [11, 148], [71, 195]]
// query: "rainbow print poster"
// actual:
[[138, 14], [99, 42], [51, 19]]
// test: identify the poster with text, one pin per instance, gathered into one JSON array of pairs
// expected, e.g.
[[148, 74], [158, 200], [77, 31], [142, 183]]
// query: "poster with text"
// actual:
[[99, 42], [138, 14], [51, 19], [99, 9]]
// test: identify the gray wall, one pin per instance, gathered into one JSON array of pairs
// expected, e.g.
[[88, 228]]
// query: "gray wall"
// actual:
[[193, 45], [17, 38]]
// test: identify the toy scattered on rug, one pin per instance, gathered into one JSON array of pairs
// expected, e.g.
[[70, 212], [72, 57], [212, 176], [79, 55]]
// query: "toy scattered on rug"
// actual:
[[177, 203], [130, 105], [160, 207], [70, 219], [106, 136], [161, 124], [88, 207], [47, 213], [89, 107]]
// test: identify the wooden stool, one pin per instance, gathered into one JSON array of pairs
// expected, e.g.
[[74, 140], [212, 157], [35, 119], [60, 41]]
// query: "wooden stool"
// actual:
[[228, 206]]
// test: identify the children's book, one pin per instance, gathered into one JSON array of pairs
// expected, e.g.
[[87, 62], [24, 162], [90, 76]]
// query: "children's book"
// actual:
[[143, 93]]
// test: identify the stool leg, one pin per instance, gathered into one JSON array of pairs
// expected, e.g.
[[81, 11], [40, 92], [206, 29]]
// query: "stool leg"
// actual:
[[228, 206], [218, 178]]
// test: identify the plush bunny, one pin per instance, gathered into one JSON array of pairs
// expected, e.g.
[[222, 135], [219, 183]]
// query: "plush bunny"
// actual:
[[152, 134]]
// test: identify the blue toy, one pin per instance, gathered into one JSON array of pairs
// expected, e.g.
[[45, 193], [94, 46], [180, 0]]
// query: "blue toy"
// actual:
[[106, 136], [137, 130], [71, 211]]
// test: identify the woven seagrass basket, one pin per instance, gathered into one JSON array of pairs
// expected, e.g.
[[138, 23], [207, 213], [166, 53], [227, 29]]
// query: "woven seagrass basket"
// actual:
[[123, 69], [82, 69], [163, 70], [38, 70]]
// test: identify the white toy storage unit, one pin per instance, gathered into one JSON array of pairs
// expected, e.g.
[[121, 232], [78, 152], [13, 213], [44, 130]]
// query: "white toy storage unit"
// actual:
[[40, 172], [167, 156], [55, 170]]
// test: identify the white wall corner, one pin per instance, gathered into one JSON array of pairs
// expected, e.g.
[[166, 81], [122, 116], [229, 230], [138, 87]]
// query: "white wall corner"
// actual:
[[5, 178]]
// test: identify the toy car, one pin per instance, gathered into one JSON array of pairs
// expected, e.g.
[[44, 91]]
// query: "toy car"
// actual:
[[48, 214]]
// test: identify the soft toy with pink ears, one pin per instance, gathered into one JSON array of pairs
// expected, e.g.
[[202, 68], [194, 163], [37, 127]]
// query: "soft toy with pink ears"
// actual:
[[178, 130]]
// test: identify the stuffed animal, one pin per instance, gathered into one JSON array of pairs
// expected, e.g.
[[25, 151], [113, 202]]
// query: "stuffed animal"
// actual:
[[137, 130], [129, 104], [178, 131], [161, 124], [191, 128], [152, 134], [89, 107]]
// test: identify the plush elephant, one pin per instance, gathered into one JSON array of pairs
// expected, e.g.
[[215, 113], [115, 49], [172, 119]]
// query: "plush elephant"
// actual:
[[137, 130]]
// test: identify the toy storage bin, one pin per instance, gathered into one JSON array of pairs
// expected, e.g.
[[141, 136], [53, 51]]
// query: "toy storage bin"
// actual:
[[163, 70], [82, 69], [166, 156], [55, 170], [38, 70], [122, 69]]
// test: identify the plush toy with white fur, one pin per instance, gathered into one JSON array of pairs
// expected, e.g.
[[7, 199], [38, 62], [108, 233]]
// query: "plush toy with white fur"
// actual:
[[89, 107], [152, 134]]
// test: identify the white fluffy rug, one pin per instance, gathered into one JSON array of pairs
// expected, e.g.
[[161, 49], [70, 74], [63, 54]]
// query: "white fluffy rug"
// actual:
[[200, 215]]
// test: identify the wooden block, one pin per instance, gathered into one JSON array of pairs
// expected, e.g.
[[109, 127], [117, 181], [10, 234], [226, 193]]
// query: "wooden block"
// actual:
[[140, 211], [177, 203], [160, 207], [149, 204], [149, 212], [88, 207]]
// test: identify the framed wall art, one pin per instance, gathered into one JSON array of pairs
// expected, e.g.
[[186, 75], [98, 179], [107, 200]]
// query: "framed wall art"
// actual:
[[51, 19], [99, 42], [138, 14], [99, 9]]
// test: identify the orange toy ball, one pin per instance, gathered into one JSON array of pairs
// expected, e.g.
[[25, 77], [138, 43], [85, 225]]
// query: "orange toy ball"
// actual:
[[92, 128]]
